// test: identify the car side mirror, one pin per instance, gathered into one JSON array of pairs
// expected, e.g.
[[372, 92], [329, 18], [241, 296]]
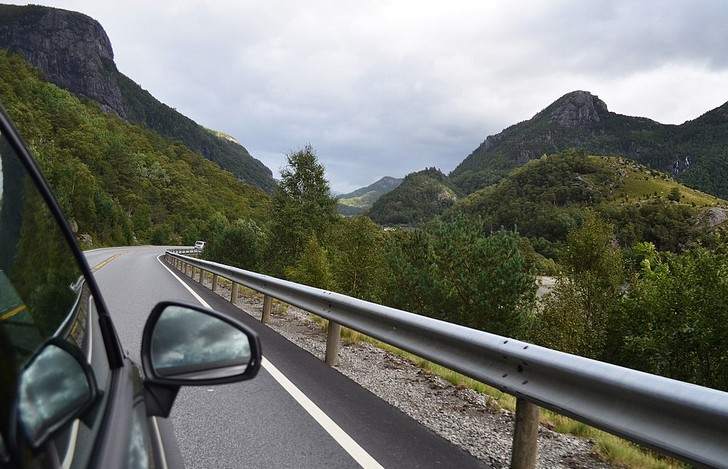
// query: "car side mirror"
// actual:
[[56, 387], [186, 345]]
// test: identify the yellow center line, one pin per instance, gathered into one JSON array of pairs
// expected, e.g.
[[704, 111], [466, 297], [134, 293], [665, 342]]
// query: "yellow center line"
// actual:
[[100, 265], [12, 313]]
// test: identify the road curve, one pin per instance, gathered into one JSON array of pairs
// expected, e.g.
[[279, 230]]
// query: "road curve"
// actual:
[[259, 423]]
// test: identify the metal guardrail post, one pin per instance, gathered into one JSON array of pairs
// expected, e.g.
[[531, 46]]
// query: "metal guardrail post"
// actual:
[[234, 293], [214, 282], [202, 276], [333, 339], [525, 435], [267, 304]]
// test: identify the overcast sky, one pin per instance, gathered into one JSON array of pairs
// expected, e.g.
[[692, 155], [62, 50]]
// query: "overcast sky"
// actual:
[[388, 87]]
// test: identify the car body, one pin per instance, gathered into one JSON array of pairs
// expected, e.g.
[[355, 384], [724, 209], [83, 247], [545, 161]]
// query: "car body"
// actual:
[[69, 395], [199, 245]]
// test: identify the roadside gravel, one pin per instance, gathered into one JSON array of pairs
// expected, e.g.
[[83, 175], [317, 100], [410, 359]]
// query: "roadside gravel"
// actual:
[[458, 415]]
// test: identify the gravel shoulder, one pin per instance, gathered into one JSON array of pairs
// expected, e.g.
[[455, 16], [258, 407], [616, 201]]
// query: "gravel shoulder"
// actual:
[[458, 415]]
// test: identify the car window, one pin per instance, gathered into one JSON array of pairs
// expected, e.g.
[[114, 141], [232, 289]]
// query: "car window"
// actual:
[[43, 297]]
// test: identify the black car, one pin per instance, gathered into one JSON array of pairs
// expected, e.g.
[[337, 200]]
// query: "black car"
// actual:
[[69, 397]]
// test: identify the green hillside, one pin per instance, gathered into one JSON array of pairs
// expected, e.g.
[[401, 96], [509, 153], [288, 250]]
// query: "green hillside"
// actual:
[[75, 53], [118, 182], [419, 198], [547, 198], [142, 108]]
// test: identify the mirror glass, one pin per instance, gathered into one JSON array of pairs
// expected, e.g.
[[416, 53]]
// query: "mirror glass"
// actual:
[[190, 344], [54, 388]]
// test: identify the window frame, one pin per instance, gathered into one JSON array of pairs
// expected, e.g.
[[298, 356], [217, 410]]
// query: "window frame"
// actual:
[[112, 344]]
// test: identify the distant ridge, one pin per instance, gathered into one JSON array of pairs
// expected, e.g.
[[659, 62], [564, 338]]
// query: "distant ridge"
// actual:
[[361, 200], [421, 196]]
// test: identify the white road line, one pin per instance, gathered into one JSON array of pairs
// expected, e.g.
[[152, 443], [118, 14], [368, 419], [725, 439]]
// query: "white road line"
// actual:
[[360, 455], [341, 437]]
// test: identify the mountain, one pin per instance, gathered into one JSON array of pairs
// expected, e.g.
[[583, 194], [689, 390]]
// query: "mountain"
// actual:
[[361, 200], [420, 197], [75, 53], [117, 182], [547, 197], [695, 152]]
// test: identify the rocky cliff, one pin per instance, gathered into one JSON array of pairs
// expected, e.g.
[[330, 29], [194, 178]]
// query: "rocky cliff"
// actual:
[[575, 110], [72, 49]]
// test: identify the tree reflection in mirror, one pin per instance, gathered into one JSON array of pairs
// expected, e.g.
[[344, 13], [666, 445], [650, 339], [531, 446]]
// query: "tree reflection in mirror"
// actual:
[[189, 344]]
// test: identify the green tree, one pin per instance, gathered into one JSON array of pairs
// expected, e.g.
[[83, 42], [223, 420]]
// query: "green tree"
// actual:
[[215, 225], [302, 207], [455, 272], [239, 244], [674, 194], [358, 258], [161, 235], [313, 267], [579, 315], [676, 317]]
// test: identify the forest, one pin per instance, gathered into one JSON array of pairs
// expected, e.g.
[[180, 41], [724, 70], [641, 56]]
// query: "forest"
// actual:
[[119, 183], [640, 281], [656, 307]]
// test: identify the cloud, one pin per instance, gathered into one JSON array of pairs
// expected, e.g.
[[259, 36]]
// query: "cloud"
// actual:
[[186, 337], [389, 87]]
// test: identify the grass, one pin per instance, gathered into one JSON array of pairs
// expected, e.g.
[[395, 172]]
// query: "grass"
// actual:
[[641, 183], [363, 201]]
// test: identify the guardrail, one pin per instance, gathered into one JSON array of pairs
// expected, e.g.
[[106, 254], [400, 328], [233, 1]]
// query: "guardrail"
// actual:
[[679, 419], [186, 251]]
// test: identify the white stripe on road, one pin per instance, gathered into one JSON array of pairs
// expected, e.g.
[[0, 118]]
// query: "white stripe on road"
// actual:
[[341, 437], [360, 455]]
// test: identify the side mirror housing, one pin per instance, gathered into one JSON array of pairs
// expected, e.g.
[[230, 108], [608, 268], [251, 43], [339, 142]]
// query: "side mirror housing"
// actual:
[[56, 387], [187, 345]]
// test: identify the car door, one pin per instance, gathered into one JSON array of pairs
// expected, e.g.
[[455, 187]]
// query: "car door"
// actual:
[[68, 396]]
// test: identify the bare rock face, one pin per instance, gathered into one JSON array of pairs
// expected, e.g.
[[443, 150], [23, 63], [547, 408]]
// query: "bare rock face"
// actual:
[[72, 49], [576, 110], [712, 217]]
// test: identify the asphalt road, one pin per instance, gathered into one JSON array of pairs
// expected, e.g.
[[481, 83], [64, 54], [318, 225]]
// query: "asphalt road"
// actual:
[[297, 413]]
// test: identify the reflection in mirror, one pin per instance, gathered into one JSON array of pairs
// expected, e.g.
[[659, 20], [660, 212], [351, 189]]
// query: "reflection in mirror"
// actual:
[[189, 344], [54, 389]]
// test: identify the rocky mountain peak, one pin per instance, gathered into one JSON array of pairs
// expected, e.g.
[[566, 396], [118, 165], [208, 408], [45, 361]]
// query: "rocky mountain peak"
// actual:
[[71, 48], [575, 110]]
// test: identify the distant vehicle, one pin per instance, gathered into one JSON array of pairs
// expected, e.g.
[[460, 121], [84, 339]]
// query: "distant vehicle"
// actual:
[[69, 395], [199, 245]]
